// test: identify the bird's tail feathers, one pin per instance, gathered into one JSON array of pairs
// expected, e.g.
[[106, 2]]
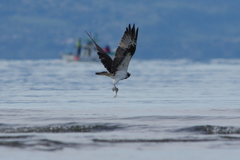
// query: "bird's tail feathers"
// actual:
[[104, 73]]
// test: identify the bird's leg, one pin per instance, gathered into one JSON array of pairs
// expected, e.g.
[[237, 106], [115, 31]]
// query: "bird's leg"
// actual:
[[115, 90]]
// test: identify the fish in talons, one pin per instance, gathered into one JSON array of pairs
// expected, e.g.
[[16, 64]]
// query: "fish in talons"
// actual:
[[115, 90]]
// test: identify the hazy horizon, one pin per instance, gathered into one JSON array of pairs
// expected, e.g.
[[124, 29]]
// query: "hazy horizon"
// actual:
[[197, 30]]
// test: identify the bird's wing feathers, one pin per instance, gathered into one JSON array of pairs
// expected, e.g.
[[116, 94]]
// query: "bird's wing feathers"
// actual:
[[103, 56], [124, 52], [126, 49]]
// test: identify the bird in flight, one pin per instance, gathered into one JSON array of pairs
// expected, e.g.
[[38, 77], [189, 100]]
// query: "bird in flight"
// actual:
[[117, 67]]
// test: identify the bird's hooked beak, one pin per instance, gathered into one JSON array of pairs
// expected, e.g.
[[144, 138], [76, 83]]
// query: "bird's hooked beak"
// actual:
[[115, 90]]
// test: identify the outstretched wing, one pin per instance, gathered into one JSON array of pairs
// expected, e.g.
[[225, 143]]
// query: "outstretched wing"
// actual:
[[103, 56], [126, 49]]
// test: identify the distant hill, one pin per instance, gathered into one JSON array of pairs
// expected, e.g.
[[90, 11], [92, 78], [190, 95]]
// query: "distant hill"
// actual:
[[198, 30]]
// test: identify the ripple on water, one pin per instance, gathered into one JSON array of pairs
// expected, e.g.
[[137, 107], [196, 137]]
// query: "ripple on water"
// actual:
[[60, 128], [209, 129]]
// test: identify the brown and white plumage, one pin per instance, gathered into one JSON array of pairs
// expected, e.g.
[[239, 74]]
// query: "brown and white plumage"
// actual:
[[117, 68]]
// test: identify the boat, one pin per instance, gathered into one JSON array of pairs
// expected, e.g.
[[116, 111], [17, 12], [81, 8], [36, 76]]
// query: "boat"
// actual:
[[88, 53]]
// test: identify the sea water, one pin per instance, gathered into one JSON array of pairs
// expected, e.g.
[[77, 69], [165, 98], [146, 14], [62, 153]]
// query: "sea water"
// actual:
[[167, 109]]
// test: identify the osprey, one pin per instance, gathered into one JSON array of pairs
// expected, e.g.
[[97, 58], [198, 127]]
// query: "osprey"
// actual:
[[117, 68]]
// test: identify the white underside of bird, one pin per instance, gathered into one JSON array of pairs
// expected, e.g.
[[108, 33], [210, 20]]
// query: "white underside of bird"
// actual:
[[119, 75]]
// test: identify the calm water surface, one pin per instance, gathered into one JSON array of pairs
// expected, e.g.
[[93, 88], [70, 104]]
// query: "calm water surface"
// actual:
[[51, 109]]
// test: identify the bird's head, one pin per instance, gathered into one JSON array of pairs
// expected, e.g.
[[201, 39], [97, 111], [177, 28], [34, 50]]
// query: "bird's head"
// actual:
[[128, 75]]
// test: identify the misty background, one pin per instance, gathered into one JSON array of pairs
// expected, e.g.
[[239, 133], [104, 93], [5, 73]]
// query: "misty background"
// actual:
[[168, 29]]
